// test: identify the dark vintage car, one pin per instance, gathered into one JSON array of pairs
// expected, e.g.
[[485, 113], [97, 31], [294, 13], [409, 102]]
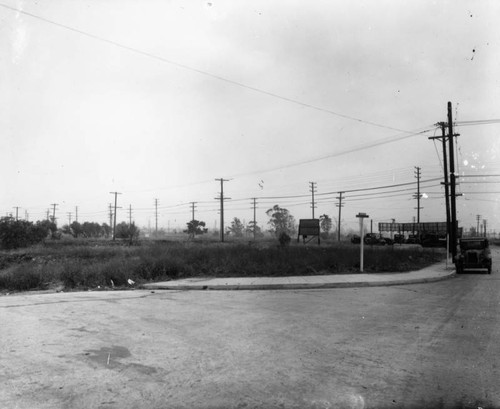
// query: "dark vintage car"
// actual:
[[374, 239], [399, 238], [413, 239], [474, 254], [355, 239]]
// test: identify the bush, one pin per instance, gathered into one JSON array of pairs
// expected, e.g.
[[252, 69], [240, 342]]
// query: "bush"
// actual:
[[284, 239], [21, 233]]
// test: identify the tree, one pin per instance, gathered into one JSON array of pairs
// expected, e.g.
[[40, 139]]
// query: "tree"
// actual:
[[76, 229], [195, 227], [127, 231], [325, 223], [237, 227], [281, 221], [21, 233], [254, 229], [91, 229]]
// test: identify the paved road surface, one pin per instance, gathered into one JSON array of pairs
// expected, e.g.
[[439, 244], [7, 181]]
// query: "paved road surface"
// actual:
[[410, 346]]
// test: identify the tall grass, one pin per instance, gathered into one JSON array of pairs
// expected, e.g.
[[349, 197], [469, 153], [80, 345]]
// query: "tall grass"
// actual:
[[85, 266]]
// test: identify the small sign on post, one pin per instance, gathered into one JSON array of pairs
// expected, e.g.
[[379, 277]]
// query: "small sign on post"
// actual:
[[361, 217]]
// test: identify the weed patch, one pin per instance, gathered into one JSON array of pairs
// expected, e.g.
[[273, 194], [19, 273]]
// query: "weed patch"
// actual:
[[89, 266]]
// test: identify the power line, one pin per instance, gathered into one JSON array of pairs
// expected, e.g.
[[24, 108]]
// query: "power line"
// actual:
[[199, 71]]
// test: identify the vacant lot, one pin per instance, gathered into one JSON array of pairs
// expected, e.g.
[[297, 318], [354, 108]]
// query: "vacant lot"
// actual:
[[102, 264]]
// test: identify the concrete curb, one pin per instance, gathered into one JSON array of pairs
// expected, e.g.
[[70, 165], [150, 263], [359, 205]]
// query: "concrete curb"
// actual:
[[296, 286]]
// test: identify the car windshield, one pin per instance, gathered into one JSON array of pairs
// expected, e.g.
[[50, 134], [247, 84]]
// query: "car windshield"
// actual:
[[473, 245]]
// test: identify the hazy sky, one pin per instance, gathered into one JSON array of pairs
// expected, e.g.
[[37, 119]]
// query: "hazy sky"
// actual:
[[156, 99]]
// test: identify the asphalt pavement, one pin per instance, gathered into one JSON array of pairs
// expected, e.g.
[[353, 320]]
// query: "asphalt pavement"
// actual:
[[436, 272]]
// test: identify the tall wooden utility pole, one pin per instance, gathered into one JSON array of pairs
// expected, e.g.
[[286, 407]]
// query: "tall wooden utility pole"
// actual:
[[192, 209], [453, 196], [156, 217], [417, 196], [54, 205], [222, 207], [313, 190], [446, 181], [110, 215], [254, 199], [339, 205], [114, 220]]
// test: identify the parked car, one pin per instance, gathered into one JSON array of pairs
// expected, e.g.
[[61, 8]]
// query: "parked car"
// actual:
[[388, 240], [399, 238], [413, 239], [474, 254], [355, 239], [374, 239]]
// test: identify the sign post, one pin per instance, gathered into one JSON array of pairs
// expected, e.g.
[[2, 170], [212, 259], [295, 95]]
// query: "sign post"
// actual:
[[361, 217]]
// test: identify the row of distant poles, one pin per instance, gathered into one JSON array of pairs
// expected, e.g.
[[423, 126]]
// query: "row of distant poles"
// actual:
[[449, 184]]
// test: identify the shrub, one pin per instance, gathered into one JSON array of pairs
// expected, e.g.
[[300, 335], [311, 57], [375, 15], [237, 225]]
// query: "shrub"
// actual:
[[284, 239]]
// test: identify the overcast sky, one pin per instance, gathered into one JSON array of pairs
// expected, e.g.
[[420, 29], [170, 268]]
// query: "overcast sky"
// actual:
[[155, 99]]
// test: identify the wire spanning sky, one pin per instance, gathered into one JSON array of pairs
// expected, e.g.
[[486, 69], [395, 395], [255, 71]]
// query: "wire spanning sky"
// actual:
[[157, 99]]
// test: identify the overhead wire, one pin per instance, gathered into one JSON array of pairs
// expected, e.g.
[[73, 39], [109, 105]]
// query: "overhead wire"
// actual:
[[197, 70]]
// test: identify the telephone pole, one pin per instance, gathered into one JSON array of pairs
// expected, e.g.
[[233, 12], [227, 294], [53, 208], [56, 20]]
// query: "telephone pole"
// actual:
[[484, 227], [478, 218], [114, 220], [156, 217], [69, 218], [313, 190], [417, 196], [254, 227], [54, 205], [110, 215], [340, 206], [76, 214], [17, 212], [446, 183], [453, 227], [130, 215], [222, 206], [192, 209]]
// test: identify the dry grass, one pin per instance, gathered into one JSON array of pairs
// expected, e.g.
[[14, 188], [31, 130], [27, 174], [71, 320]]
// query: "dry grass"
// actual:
[[87, 264]]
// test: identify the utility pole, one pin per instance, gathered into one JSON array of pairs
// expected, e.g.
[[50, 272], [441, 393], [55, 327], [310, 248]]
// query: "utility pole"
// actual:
[[222, 207], [76, 214], [446, 183], [340, 206], [254, 199], [17, 212], [478, 218], [313, 190], [130, 215], [114, 220], [417, 196], [484, 227], [48, 213], [192, 209], [453, 230], [156, 217], [69, 218], [110, 215], [54, 205]]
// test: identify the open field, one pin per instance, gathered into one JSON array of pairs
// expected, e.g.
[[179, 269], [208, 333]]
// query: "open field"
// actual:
[[102, 264]]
